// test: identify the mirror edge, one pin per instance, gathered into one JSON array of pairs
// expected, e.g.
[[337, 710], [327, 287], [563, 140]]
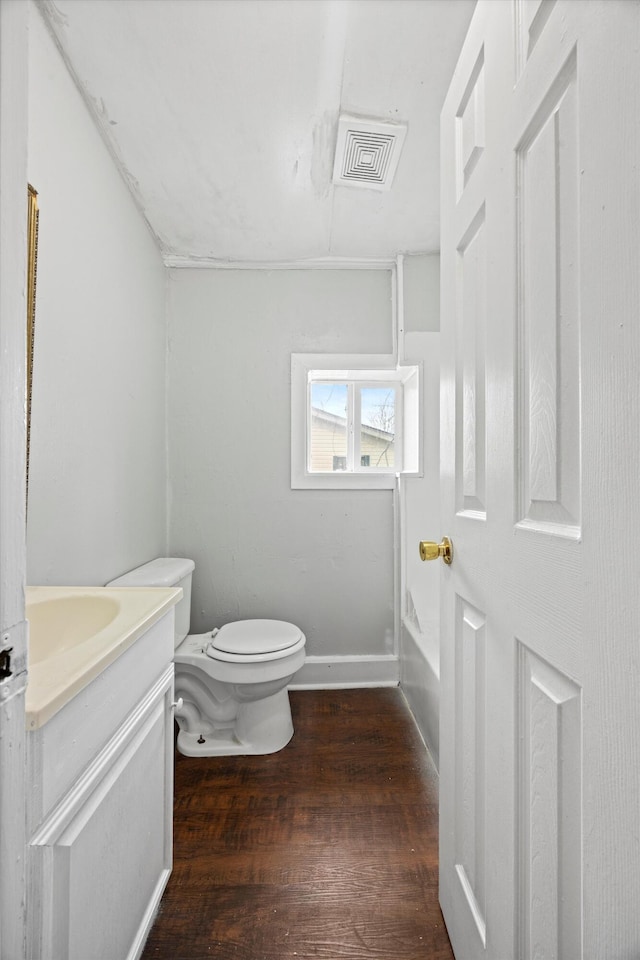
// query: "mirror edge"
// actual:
[[32, 267]]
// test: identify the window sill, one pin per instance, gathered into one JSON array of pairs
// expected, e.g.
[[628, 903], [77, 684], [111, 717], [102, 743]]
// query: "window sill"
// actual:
[[348, 481]]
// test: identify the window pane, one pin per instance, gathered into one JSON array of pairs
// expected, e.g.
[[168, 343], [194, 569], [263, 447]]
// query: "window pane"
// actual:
[[328, 442], [377, 426]]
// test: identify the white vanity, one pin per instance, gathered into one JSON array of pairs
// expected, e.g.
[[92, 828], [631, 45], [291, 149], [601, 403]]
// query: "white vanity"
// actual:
[[100, 756]]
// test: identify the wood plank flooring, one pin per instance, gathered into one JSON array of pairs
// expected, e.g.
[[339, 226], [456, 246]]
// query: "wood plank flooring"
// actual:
[[325, 850]]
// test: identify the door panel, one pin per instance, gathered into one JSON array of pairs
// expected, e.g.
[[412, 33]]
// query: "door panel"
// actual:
[[548, 334], [470, 375], [469, 130], [549, 810], [471, 759], [531, 17], [540, 459]]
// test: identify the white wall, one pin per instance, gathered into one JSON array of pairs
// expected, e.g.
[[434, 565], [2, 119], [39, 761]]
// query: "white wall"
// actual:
[[322, 559], [97, 473], [420, 507]]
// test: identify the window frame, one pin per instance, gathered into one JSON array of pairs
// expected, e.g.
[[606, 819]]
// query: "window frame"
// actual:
[[353, 422], [364, 370]]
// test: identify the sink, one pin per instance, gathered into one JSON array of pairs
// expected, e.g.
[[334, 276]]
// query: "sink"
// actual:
[[76, 632], [59, 623]]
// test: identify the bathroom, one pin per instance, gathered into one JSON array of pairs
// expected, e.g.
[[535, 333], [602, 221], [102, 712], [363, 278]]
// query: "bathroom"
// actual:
[[149, 439], [139, 375], [161, 419]]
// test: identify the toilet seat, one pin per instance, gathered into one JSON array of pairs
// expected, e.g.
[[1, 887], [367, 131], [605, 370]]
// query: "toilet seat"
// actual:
[[197, 649], [250, 638]]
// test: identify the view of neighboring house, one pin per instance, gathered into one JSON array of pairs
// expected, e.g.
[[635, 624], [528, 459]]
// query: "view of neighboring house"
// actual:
[[329, 444]]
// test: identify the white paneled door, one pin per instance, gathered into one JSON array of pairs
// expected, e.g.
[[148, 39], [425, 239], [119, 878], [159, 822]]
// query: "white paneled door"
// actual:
[[540, 659]]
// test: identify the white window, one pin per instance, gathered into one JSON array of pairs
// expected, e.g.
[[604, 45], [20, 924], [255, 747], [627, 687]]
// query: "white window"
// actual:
[[354, 421], [353, 426]]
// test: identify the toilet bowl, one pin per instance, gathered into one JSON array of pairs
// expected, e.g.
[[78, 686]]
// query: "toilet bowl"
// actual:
[[233, 685], [232, 681]]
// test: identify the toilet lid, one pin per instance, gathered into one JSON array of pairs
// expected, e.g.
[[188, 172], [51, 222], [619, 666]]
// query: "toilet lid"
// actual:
[[255, 636]]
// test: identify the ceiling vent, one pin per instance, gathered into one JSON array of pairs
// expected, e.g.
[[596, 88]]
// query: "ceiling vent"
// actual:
[[367, 152]]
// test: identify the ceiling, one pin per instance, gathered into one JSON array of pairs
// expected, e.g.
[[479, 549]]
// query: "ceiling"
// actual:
[[223, 117]]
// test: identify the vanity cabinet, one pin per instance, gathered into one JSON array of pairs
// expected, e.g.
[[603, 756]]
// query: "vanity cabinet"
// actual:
[[100, 815]]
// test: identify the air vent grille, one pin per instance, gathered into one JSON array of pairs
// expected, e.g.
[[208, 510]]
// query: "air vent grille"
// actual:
[[367, 152]]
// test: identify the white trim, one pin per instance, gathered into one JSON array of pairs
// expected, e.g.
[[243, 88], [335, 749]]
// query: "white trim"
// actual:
[[344, 481], [140, 939], [353, 412], [14, 58], [396, 281], [398, 564], [13, 307], [167, 451], [398, 309], [344, 672], [317, 263]]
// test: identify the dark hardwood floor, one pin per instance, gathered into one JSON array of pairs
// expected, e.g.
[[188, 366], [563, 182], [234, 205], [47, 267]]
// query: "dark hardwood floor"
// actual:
[[327, 849]]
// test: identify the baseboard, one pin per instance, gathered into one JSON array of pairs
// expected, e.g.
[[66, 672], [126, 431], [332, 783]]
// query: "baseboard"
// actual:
[[321, 673], [149, 916], [420, 684]]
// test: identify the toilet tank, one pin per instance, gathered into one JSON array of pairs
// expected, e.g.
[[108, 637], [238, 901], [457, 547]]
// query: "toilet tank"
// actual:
[[165, 572]]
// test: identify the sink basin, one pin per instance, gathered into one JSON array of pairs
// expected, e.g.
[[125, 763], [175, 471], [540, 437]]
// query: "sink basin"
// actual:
[[59, 623], [76, 632]]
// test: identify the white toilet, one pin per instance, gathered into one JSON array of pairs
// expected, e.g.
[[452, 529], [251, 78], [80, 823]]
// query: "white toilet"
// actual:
[[232, 681]]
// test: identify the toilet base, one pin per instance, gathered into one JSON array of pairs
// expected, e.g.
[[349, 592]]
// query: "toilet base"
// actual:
[[261, 727]]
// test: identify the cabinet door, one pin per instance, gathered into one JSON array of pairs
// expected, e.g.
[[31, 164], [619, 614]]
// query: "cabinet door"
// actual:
[[102, 858]]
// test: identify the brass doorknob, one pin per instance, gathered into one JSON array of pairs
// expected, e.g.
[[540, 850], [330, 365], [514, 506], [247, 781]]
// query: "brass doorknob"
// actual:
[[430, 550]]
